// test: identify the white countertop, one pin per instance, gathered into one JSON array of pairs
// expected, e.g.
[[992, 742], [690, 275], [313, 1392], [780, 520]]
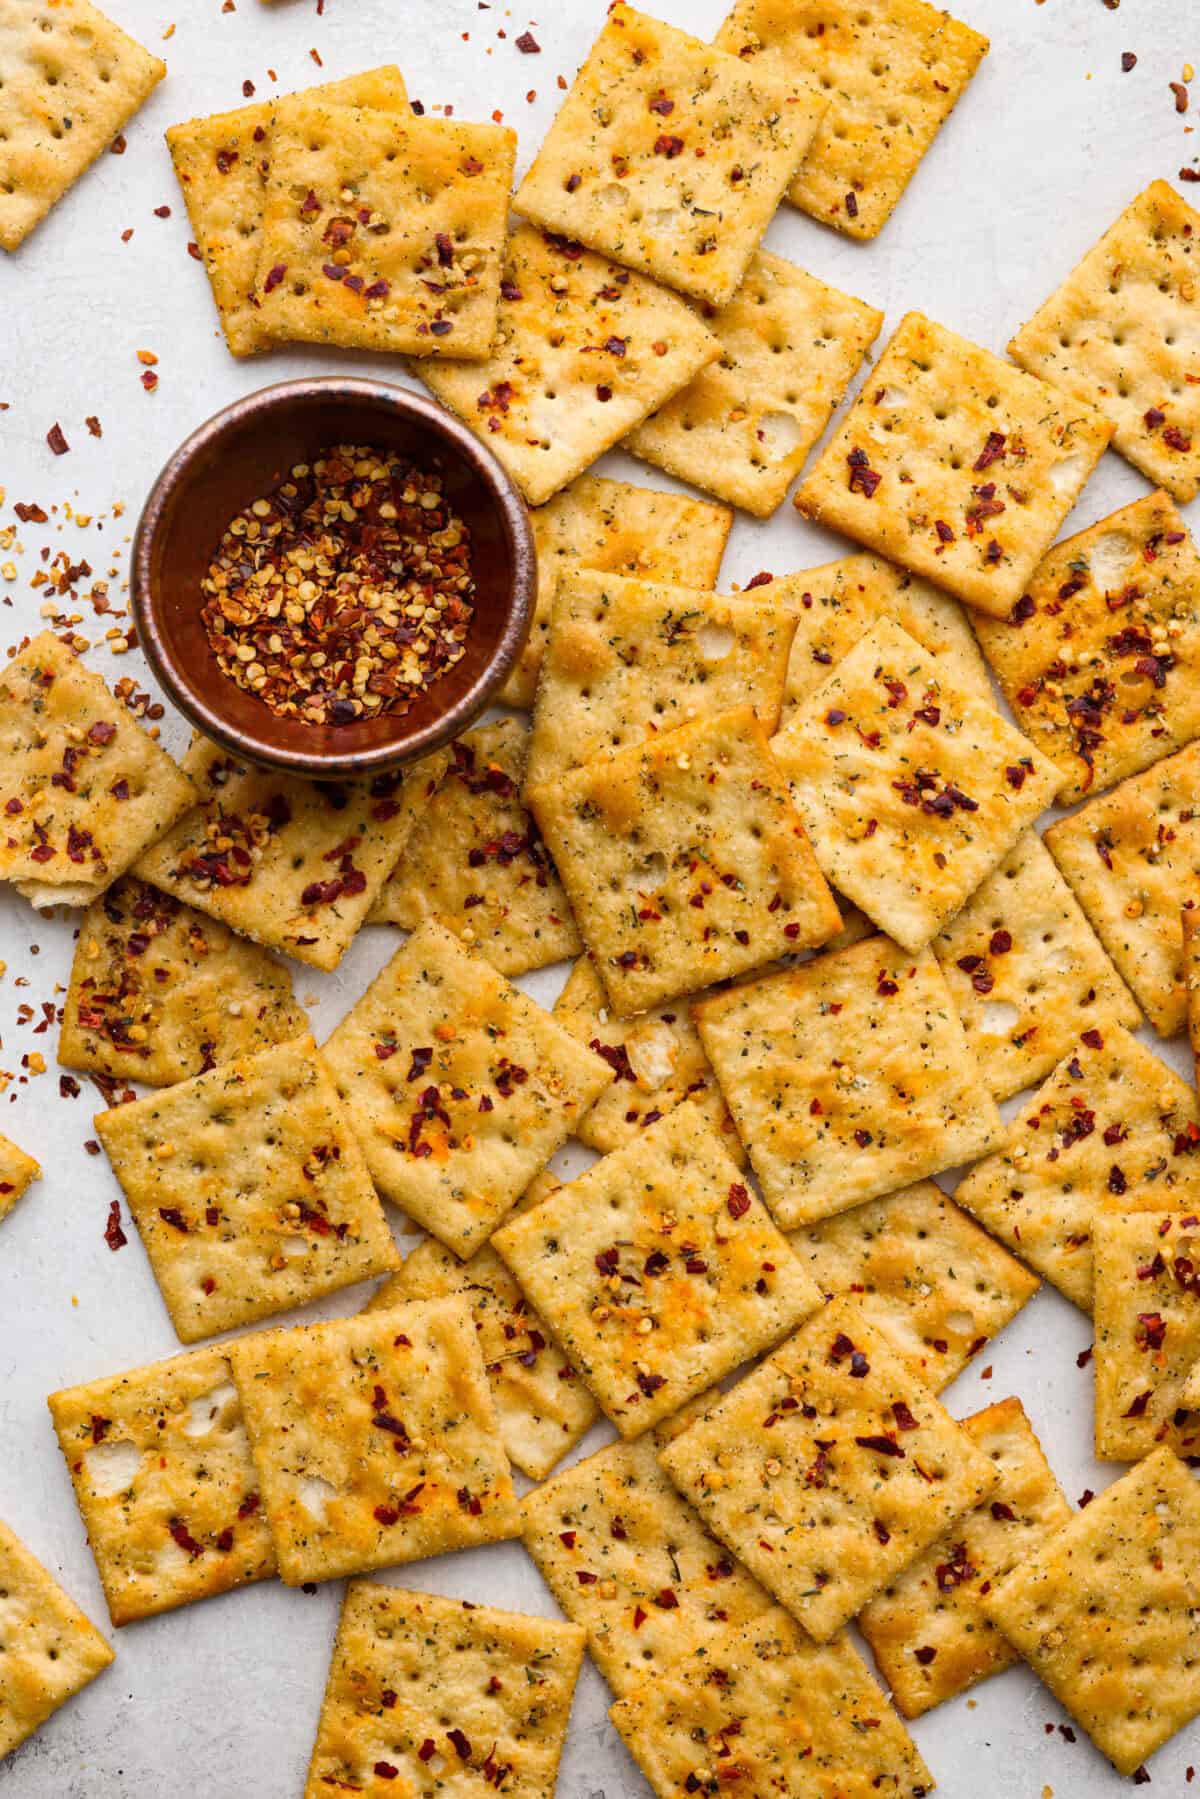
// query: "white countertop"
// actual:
[[1050, 142]]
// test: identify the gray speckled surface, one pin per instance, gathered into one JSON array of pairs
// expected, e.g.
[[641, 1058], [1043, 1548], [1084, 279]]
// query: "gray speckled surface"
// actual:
[[220, 1700]]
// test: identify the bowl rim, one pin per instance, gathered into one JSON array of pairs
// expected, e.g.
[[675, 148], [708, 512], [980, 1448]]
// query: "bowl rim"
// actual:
[[483, 464]]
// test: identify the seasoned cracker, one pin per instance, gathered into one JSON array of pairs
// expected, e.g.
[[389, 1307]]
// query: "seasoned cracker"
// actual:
[[912, 789], [221, 163], [410, 1669], [684, 860], [165, 1483], [658, 1271], [70, 79], [847, 1077], [1131, 859], [17, 1172], [622, 530], [542, 1407], [1100, 659], [84, 789], [460, 1087], [956, 465], [936, 1285], [829, 1468], [742, 430], [657, 1058], [476, 859], [584, 351], [1026, 971], [763, 1707], [1118, 335], [669, 156], [375, 1439], [1113, 1128], [296, 865], [627, 660], [248, 1188], [893, 71], [838, 604], [382, 231], [1103, 1611], [625, 1556], [50, 1650], [1147, 1311], [159, 992], [926, 1631]]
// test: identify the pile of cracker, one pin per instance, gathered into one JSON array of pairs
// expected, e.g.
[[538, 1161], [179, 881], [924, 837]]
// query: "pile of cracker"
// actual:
[[790, 843]]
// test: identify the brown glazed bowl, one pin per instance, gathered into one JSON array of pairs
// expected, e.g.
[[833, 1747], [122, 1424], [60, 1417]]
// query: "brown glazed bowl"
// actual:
[[239, 455]]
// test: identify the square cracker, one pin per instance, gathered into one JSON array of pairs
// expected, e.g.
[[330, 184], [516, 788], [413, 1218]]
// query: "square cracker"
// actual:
[[685, 860], [763, 1708], [926, 1631], [742, 430], [410, 1670], [460, 1087], [165, 1483], [1103, 1611], [669, 156], [158, 992], [17, 1172], [658, 1271], [912, 789], [50, 1650], [1147, 1311], [956, 465], [476, 859], [1100, 660], [1118, 334], [847, 1077], [221, 163], [936, 1285], [1026, 971], [70, 80], [1132, 858], [248, 1188], [84, 789], [542, 1407], [584, 351], [381, 231], [657, 1058], [625, 1556], [893, 71], [838, 604], [623, 530], [293, 864], [627, 660], [375, 1439], [1113, 1128], [829, 1468]]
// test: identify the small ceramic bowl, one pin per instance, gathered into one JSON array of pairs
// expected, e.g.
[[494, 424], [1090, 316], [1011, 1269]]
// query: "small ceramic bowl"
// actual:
[[238, 456]]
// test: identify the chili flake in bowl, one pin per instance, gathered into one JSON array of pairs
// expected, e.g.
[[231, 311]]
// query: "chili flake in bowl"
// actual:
[[268, 542], [343, 593]]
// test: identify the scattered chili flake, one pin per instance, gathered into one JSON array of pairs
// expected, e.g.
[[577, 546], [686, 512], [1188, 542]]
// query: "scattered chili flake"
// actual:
[[1128, 60], [528, 45], [56, 440], [1181, 95], [344, 593]]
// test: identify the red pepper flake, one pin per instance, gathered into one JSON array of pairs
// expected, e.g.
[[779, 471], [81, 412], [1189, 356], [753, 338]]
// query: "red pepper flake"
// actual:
[[925, 1655], [1181, 95], [902, 1415], [1137, 1409], [274, 277], [149, 380], [528, 45], [427, 1751], [183, 1537], [666, 1600], [385, 1771], [162, 212], [1128, 60], [114, 1236], [668, 145], [863, 478], [93, 425], [174, 1217], [852, 205], [56, 440], [460, 1743], [738, 1202], [100, 1427], [881, 1445], [1003, 1514], [118, 146]]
